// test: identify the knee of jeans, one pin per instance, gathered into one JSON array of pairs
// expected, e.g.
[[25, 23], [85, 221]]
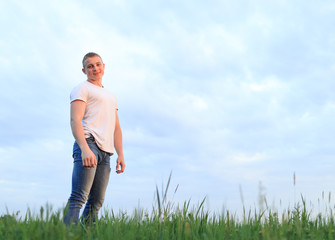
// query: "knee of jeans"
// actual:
[[78, 198]]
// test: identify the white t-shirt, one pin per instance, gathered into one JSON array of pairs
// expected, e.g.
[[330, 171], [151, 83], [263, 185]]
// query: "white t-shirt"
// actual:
[[99, 117]]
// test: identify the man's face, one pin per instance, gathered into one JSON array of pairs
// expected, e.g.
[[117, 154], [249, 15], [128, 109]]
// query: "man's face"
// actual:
[[94, 68]]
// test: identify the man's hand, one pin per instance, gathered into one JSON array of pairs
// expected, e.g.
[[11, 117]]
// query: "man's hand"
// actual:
[[120, 163], [88, 158]]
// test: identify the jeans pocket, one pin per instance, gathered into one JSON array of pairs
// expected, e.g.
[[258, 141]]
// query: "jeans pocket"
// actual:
[[90, 139]]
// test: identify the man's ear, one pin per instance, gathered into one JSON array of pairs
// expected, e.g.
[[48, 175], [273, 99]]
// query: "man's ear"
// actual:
[[83, 70]]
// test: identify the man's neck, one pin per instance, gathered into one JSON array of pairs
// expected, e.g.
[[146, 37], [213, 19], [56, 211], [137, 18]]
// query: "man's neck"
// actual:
[[96, 82]]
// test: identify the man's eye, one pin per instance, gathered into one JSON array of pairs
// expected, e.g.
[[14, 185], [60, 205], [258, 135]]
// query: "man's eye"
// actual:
[[89, 66]]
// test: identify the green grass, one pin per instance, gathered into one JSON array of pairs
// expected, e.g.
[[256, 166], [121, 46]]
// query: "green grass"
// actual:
[[179, 223], [169, 221]]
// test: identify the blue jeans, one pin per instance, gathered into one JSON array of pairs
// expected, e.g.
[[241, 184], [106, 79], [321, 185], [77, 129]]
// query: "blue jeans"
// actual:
[[88, 184]]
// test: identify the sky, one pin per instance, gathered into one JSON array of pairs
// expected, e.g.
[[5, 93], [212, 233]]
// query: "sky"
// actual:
[[233, 98]]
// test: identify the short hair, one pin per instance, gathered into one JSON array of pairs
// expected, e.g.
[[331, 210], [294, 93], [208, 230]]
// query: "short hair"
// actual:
[[90, 54]]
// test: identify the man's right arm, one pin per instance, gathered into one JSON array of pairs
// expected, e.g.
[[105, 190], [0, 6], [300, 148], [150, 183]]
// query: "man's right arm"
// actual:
[[77, 113]]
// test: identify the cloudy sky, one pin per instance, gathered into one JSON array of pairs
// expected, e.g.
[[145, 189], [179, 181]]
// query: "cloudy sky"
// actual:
[[231, 96]]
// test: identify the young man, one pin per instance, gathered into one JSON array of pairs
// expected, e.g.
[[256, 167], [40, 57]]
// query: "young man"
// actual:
[[96, 129]]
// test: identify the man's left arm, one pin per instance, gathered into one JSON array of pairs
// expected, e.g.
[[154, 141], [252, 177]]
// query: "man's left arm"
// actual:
[[118, 145]]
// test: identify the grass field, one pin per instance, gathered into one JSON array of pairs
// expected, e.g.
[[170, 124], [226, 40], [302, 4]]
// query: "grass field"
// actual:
[[167, 221], [176, 224]]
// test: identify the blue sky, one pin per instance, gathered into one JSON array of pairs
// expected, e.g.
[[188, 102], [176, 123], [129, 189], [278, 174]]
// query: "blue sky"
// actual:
[[227, 95]]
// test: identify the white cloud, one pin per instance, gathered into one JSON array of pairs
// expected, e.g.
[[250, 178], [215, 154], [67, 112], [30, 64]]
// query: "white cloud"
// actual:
[[241, 158], [197, 102], [269, 84]]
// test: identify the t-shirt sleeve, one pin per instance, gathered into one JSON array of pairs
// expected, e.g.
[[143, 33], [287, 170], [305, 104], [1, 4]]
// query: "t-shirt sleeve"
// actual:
[[79, 93]]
